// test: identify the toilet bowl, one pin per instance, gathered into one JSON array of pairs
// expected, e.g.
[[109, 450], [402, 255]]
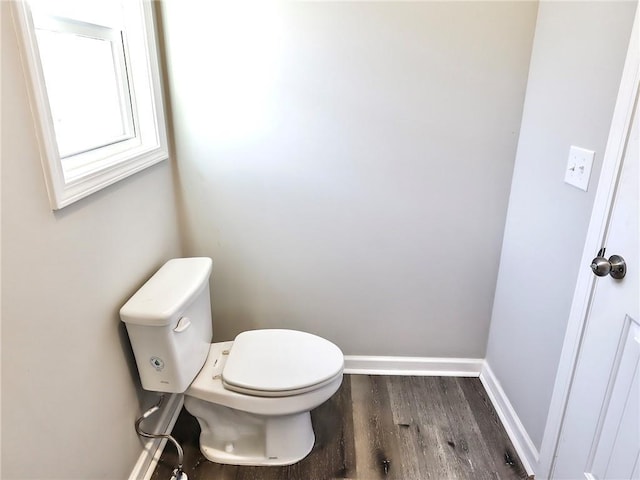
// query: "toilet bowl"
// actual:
[[253, 429], [252, 396]]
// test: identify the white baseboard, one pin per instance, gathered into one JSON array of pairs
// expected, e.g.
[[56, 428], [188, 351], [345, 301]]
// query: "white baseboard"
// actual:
[[418, 366], [518, 435], [148, 459]]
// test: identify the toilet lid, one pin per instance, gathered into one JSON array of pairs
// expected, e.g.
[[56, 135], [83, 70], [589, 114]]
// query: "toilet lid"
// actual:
[[280, 362]]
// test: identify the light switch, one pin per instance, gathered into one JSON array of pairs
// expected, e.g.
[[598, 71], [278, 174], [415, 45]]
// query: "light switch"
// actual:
[[579, 166]]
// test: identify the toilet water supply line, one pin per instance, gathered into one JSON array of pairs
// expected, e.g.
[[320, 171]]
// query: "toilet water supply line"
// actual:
[[178, 473]]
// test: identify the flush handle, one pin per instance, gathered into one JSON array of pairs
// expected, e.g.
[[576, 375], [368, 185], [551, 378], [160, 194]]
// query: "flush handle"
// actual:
[[615, 266], [182, 325]]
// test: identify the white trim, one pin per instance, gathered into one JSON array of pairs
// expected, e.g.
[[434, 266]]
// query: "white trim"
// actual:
[[525, 448], [418, 366], [595, 239], [148, 459]]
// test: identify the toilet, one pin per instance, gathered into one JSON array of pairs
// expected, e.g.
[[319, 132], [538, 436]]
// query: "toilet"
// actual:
[[252, 396]]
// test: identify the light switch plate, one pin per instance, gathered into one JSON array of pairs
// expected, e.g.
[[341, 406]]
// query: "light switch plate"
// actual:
[[579, 166]]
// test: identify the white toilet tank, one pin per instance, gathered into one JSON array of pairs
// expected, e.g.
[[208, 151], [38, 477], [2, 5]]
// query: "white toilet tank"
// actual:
[[169, 324]]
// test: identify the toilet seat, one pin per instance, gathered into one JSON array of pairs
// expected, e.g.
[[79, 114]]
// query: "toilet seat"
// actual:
[[208, 387], [280, 363]]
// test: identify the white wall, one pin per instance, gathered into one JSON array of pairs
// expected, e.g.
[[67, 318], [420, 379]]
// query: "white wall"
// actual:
[[347, 164], [576, 66], [70, 391]]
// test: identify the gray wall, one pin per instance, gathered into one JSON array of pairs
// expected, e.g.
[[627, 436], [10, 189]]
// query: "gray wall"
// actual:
[[347, 164], [576, 66], [70, 391]]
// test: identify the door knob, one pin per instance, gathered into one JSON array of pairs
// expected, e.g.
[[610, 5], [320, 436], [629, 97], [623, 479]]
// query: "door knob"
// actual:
[[615, 266]]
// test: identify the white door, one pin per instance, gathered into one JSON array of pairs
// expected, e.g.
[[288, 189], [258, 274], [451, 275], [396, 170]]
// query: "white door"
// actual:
[[600, 435]]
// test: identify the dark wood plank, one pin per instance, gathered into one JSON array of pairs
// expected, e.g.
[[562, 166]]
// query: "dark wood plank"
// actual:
[[420, 429], [419, 452], [465, 440], [376, 440], [499, 446], [444, 447]]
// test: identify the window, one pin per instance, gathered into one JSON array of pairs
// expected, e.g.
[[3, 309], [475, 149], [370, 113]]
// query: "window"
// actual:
[[86, 79], [96, 91]]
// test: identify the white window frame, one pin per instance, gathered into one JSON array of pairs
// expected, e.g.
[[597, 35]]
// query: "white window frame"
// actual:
[[87, 172]]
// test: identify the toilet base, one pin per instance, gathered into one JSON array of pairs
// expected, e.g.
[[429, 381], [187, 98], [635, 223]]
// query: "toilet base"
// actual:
[[235, 437]]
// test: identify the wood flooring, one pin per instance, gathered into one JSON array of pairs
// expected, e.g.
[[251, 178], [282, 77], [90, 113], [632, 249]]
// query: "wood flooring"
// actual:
[[381, 427]]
